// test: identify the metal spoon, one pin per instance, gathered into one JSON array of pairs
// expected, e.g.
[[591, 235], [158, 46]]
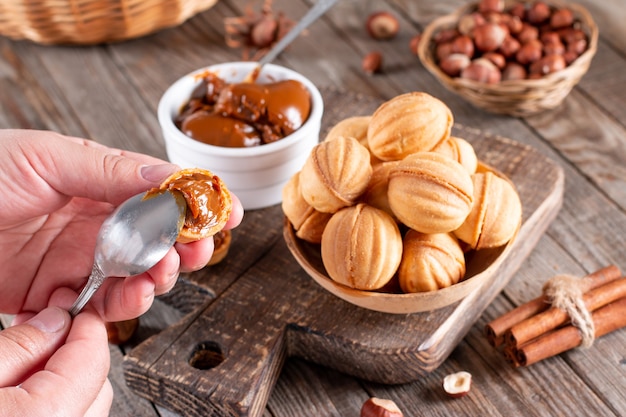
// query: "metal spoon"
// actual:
[[133, 239], [311, 16]]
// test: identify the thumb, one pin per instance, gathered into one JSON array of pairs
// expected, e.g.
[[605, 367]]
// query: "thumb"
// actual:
[[104, 174], [25, 348]]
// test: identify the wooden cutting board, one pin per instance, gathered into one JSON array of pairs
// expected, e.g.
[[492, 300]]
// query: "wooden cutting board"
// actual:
[[258, 307]]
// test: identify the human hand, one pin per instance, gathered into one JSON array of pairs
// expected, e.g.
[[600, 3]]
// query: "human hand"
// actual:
[[44, 370], [56, 193]]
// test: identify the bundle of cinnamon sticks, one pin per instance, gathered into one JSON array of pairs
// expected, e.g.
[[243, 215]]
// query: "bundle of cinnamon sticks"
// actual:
[[537, 330]]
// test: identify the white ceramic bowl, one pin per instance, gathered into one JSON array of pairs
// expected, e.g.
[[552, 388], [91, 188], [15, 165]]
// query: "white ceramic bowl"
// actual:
[[255, 174]]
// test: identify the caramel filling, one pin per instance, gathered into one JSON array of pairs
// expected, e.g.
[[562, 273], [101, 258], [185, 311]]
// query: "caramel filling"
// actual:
[[244, 114], [204, 200]]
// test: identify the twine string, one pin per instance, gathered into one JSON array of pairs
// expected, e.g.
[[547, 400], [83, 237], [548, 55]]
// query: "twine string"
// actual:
[[565, 292]]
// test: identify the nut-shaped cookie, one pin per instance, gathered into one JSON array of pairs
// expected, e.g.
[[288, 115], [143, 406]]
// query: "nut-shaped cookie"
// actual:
[[294, 206], [335, 174], [461, 151], [306, 221], [313, 227], [430, 193], [351, 127], [209, 203], [430, 262], [496, 214], [408, 123], [221, 246], [361, 247], [376, 192]]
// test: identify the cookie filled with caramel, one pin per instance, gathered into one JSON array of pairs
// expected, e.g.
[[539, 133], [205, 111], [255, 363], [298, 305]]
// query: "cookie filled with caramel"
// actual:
[[209, 203]]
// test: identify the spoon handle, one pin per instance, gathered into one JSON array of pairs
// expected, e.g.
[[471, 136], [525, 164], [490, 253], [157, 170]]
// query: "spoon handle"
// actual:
[[94, 282], [311, 16]]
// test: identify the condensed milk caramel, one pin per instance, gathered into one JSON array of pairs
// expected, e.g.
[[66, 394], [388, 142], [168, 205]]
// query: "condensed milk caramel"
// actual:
[[244, 114]]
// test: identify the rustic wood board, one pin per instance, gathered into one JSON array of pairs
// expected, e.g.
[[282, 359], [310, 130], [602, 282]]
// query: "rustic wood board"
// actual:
[[224, 357]]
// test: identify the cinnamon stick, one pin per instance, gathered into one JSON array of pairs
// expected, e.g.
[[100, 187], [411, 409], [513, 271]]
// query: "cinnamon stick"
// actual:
[[605, 320], [495, 330], [554, 317]]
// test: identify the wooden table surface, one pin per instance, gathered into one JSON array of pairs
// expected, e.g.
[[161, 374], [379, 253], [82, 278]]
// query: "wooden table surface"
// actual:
[[110, 92]]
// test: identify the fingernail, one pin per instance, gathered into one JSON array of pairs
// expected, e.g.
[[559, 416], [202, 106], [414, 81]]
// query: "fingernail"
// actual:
[[49, 320], [157, 173]]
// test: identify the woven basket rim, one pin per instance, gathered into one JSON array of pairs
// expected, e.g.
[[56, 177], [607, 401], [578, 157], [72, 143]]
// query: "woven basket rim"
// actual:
[[569, 75], [89, 22]]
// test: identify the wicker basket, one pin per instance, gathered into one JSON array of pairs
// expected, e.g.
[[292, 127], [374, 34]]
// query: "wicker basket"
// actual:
[[515, 98], [87, 22]]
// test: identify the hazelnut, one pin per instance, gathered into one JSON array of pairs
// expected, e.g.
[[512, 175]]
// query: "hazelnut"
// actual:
[[361, 247], [486, 6], [483, 71], [528, 33], [515, 25], [414, 43], [372, 63], [555, 47], [570, 57], [468, 22], [577, 46], [513, 72], [453, 64], [561, 18], [378, 407], [463, 44], [489, 37], [496, 17], [570, 35], [445, 35], [263, 33], [457, 384], [382, 25], [538, 13], [530, 51], [497, 59], [518, 10], [120, 332], [509, 46], [442, 50], [548, 64]]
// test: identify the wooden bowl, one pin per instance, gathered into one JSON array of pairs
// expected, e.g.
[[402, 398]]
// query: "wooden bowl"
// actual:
[[515, 98], [480, 266]]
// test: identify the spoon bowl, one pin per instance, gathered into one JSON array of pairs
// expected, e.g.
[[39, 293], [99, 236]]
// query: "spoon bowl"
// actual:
[[134, 238]]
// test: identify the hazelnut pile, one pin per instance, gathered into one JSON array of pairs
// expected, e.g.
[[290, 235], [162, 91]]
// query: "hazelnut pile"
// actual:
[[524, 41], [396, 202]]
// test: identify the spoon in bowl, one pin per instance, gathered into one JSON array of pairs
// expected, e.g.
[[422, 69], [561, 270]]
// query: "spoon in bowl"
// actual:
[[311, 16], [133, 239]]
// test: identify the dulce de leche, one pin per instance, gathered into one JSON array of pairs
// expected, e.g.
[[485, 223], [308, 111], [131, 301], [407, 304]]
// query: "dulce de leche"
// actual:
[[208, 200], [244, 114]]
